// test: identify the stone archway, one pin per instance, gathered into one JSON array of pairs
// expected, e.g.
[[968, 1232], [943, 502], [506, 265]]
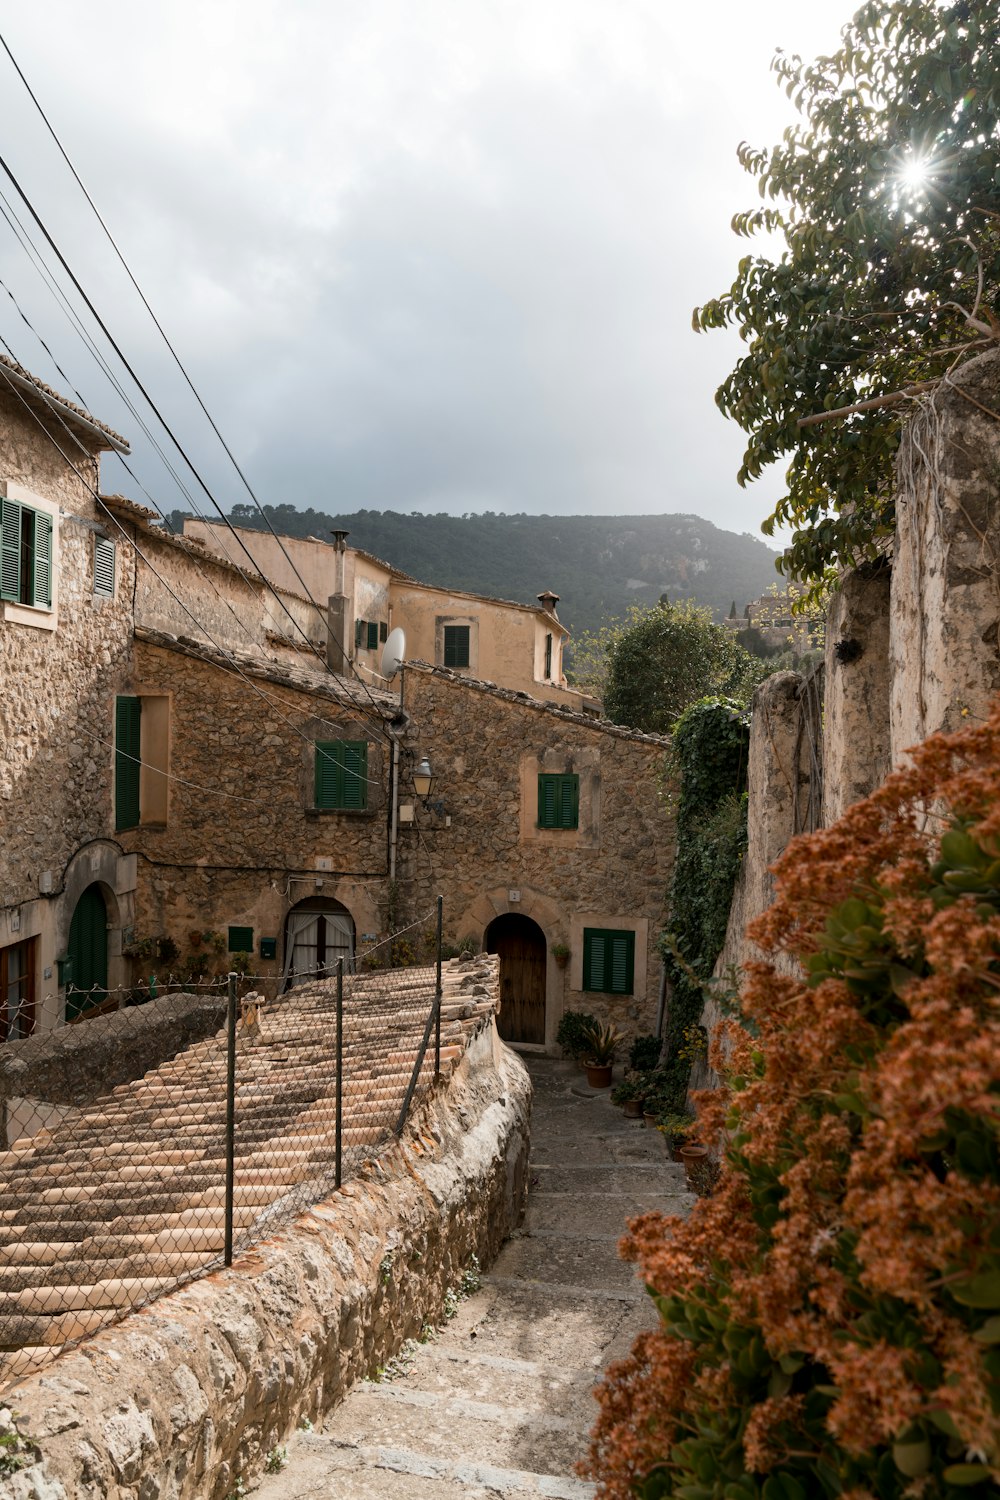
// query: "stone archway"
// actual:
[[519, 943]]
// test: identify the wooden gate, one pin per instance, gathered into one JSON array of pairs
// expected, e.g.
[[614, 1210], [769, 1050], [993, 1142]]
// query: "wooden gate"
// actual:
[[520, 945], [88, 955]]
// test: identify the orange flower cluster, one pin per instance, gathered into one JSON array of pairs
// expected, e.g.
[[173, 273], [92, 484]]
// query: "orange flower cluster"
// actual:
[[830, 1317]]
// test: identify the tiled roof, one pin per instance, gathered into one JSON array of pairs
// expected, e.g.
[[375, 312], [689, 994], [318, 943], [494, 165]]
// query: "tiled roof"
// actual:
[[15, 375]]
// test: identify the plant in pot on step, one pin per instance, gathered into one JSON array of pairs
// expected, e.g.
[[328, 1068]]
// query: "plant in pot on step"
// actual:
[[675, 1129], [630, 1094], [601, 1043], [571, 1036]]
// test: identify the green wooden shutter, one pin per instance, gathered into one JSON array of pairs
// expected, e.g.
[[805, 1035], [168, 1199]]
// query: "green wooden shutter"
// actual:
[[372, 635], [456, 645], [593, 959], [342, 774], [608, 961], [558, 801], [127, 766], [622, 962], [359, 625], [569, 801], [10, 565], [240, 940], [88, 953], [546, 801], [548, 656], [383, 630], [42, 596]]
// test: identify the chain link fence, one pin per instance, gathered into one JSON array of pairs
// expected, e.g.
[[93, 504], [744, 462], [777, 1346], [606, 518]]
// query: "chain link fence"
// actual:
[[164, 1139]]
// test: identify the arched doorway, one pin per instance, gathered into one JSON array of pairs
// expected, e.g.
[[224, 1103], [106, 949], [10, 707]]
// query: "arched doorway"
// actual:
[[520, 945], [87, 951], [318, 931]]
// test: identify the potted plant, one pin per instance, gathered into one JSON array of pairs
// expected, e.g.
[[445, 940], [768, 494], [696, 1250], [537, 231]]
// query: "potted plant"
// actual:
[[644, 1053], [675, 1129], [630, 1094], [571, 1033], [601, 1042], [560, 953]]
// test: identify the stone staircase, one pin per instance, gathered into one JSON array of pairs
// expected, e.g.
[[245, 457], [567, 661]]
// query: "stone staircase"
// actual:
[[500, 1402], [100, 1215]]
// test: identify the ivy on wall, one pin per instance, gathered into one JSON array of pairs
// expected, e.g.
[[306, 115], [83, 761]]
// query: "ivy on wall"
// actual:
[[709, 753]]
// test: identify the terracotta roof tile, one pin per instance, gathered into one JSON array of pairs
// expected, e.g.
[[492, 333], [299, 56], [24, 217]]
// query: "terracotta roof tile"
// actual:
[[52, 399]]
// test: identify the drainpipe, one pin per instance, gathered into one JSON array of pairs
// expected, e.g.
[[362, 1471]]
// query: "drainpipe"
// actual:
[[396, 732]]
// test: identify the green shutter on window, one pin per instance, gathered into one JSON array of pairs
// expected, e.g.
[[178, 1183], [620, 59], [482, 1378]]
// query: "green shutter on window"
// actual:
[[608, 961], [558, 800], [241, 940], [342, 774], [42, 597], [372, 635], [104, 567], [10, 564], [456, 645], [383, 630], [359, 626], [127, 766]]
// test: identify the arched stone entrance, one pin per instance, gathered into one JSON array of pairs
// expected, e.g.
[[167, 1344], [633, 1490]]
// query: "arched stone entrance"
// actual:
[[520, 945], [87, 952], [318, 931]]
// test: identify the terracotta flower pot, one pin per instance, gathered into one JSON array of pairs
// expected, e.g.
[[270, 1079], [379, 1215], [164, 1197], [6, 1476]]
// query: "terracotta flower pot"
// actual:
[[649, 1119], [633, 1109], [695, 1159], [598, 1075]]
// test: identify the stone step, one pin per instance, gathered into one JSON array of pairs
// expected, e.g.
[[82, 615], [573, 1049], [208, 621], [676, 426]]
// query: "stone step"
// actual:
[[598, 1215], [636, 1178], [579, 1263], [531, 1323], [531, 1384], [400, 1473]]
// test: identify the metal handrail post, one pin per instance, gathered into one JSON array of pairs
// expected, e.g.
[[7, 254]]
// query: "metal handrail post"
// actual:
[[340, 1071], [438, 990], [230, 1116]]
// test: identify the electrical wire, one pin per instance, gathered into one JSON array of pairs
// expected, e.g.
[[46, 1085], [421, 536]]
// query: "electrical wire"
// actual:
[[163, 422], [160, 329], [228, 656]]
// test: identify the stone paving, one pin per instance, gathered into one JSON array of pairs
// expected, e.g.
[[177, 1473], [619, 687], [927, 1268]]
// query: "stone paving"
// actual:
[[500, 1402]]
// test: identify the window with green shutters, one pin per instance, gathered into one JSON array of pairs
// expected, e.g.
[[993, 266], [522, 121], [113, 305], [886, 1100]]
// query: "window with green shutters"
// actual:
[[341, 774], [127, 763], [558, 801], [372, 635], [608, 961], [548, 657], [241, 940], [456, 645], [25, 554]]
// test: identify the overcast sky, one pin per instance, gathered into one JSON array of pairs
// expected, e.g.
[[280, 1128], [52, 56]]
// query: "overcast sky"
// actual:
[[417, 254]]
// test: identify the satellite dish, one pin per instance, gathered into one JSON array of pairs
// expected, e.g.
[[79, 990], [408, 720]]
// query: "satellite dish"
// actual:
[[392, 653]]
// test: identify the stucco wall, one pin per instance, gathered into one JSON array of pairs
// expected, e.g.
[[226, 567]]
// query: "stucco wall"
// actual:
[[482, 850]]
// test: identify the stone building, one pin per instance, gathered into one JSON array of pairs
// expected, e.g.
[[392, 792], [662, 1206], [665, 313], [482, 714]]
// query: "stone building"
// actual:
[[188, 780], [66, 887]]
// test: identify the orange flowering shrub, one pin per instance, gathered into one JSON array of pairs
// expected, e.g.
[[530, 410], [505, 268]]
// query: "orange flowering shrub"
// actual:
[[830, 1317]]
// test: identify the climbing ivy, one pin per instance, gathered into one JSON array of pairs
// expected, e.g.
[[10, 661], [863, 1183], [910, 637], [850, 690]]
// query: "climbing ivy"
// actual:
[[709, 756]]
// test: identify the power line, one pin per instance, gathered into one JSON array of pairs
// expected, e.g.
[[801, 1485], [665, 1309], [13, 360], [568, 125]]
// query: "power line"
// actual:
[[228, 656], [162, 332]]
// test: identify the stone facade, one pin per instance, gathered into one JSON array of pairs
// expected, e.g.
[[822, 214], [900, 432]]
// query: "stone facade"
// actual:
[[59, 668], [477, 843]]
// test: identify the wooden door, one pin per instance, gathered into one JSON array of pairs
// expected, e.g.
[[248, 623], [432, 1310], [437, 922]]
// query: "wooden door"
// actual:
[[520, 945], [88, 955]]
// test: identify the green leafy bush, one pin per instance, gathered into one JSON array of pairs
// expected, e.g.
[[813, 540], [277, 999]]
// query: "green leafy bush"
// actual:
[[571, 1034]]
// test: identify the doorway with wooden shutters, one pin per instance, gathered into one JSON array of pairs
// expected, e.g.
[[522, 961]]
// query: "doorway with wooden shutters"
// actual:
[[519, 943], [87, 951]]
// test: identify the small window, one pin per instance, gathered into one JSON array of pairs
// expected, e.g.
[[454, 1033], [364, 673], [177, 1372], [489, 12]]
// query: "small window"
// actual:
[[558, 801], [456, 645], [128, 766], [104, 567], [341, 774], [26, 561], [608, 961], [548, 657], [372, 635], [241, 939], [383, 631], [18, 977], [359, 629]]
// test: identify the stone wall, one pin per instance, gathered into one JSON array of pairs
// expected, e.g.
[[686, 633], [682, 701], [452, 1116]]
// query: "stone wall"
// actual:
[[477, 843], [242, 841], [186, 1398], [857, 690]]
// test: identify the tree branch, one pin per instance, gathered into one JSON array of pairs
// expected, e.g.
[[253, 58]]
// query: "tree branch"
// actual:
[[872, 405]]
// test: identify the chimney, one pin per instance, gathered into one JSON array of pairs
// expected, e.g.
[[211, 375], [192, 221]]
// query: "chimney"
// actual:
[[339, 638], [548, 601]]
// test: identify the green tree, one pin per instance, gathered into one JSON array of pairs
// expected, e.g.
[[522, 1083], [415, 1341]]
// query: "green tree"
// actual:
[[887, 195], [650, 666]]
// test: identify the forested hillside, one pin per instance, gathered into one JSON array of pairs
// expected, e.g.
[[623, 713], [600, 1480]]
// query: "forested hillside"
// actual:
[[598, 565]]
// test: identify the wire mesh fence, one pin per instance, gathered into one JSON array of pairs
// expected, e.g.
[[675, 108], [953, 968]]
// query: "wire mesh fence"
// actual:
[[221, 1113]]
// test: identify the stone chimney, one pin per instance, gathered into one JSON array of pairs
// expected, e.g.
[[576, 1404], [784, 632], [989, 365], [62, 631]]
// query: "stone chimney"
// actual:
[[548, 601]]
